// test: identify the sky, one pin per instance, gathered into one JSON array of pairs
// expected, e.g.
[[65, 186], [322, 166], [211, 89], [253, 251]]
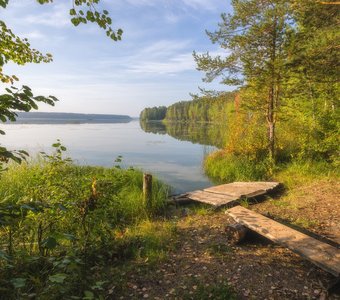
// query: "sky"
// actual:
[[151, 66]]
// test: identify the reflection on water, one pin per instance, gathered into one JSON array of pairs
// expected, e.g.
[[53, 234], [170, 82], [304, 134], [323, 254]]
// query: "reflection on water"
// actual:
[[198, 133], [170, 154]]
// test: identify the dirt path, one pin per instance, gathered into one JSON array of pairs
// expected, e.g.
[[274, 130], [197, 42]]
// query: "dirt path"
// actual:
[[203, 263]]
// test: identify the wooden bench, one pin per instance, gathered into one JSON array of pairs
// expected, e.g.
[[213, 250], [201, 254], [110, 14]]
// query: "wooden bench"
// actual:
[[319, 253]]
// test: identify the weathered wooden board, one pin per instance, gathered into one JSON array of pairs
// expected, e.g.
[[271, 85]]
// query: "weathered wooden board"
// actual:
[[321, 254], [213, 199], [227, 194], [244, 189]]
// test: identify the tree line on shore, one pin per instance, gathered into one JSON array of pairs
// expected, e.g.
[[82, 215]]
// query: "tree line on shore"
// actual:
[[202, 109]]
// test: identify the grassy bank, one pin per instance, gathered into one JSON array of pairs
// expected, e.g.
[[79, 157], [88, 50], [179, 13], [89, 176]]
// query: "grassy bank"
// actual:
[[224, 167], [63, 224], [221, 166]]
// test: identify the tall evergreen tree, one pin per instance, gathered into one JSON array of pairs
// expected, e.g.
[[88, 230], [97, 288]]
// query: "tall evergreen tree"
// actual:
[[254, 36]]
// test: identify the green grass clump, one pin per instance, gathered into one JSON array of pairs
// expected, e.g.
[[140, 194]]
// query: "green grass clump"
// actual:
[[59, 221], [146, 242], [299, 172], [225, 167], [221, 166]]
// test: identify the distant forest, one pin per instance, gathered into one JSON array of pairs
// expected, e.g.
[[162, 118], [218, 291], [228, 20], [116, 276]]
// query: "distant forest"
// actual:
[[202, 109], [155, 113], [68, 118]]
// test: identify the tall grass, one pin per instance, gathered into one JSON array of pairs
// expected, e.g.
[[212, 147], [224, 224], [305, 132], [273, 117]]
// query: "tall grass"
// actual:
[[221, 166], [62, 191], [225, 167], [300, 172], [58, 220]]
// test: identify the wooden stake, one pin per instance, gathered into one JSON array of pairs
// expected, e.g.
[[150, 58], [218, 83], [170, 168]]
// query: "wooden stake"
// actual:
[[147, 188]]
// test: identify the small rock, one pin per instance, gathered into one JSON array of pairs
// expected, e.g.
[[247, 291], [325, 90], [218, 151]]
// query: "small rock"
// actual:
[[145, 296]]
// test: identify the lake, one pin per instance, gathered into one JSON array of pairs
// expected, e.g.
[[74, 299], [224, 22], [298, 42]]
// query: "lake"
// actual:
[[173, 153]]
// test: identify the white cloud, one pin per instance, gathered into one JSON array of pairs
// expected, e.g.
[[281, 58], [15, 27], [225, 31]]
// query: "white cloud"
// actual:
[[201, 4], [143, 2], [171, 4], [165, 47], [161, 57], [172, 18], [57, 17], [176, 64], [34, 35]]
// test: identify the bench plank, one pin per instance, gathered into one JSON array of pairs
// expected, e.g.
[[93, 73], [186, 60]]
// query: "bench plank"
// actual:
[[243, 189], [212, 199], [321, 254]]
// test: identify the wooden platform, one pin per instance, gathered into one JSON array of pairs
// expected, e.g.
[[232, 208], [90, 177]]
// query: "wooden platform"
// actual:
[[227, 194], [321, 254]]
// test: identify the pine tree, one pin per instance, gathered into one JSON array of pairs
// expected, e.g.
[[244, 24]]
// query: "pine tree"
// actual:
[[254, 37]]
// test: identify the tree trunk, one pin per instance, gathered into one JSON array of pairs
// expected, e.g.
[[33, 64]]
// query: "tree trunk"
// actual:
[[272, 97], [271, 125], [271, 136]]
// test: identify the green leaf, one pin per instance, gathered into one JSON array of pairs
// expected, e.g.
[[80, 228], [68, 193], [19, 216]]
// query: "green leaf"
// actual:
[[73, 12], [57, 278], [88, 295], [50, 243], [23, 152], [4, 256], [18, 282], [75, 21]]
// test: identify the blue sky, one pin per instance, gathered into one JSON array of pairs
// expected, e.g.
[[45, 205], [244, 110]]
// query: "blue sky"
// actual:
[[151, 66]]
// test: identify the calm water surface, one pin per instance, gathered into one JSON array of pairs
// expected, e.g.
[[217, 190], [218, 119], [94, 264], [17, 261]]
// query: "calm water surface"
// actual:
[[176, 162]]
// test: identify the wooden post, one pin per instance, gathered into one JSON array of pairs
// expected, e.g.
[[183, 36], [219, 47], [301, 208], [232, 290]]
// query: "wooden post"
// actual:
[[147, 189]]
